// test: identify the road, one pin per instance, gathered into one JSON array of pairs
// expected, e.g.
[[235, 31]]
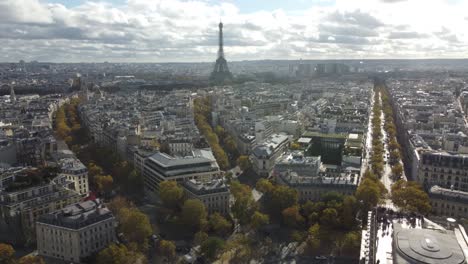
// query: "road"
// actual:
[[387, 173], [387, 170], [368, 144]]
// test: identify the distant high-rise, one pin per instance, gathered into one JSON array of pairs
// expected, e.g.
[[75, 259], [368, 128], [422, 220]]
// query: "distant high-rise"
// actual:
[[221, 71]]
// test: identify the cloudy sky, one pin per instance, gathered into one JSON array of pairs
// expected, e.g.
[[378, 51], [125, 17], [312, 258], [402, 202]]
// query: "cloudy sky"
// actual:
[[177, 30]]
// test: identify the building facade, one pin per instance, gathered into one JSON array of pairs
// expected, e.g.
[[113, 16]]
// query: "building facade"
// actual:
[[448, 202], [19, 209], [75, 232], [214, 194], [163, 167], [447, 170], [76, 172], [265, 155]]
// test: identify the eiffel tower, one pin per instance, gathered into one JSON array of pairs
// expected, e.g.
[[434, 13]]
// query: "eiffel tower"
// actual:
[[221, 72]]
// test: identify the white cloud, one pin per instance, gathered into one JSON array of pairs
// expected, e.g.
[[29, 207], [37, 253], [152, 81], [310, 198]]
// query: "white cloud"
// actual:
[[160, 30]]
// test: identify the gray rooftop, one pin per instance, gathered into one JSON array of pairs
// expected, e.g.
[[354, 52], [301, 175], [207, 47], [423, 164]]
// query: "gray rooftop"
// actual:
[[201, 188], [200, 156], [426, 246], [78, 215], [444, 193]]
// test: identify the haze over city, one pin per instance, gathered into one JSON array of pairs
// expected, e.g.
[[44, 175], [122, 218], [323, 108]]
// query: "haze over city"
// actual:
[[185, 31], [236, 131]]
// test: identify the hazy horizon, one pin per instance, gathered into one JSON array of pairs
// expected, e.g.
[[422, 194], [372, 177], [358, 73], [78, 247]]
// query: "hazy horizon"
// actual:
[[157, 31]]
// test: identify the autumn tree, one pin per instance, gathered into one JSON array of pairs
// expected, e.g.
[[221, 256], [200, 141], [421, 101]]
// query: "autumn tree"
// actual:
[[244, 162], [212, 247], [329, 217], [31, 260], [94, 169], [409, 196], [104, 183], [349, 211], [280, 198], [368, 193], [171, 194], [6, 254], [220, 156], [313, 238], [351, 244], [264, 185], [200, 237], [136, 227], [166, 249], [397, 171], [292, 217], [119, 254], [219, 224], [295, 146], [118, 203], [259, 219], [241, 247], [194, 214], [244, 205]]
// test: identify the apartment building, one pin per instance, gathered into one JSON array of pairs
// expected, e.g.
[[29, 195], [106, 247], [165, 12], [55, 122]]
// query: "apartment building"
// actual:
[[76, 231], [265, 154], [19, 208], [214, 194], [76, 172], [448, 202], [447, 170]]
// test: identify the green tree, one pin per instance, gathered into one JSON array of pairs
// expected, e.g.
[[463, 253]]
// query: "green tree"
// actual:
[[194, 214], [6, 253], [171, 194], [219, 224], [119, 254], [259, 219], [410, 196], [212, 247], [349, 211]]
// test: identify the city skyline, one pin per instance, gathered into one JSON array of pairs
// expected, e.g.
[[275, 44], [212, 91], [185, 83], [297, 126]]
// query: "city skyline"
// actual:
[[185, 31]]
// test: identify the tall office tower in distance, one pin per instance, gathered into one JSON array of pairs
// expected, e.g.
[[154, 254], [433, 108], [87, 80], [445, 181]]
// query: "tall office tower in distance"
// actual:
[[221, 72]]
